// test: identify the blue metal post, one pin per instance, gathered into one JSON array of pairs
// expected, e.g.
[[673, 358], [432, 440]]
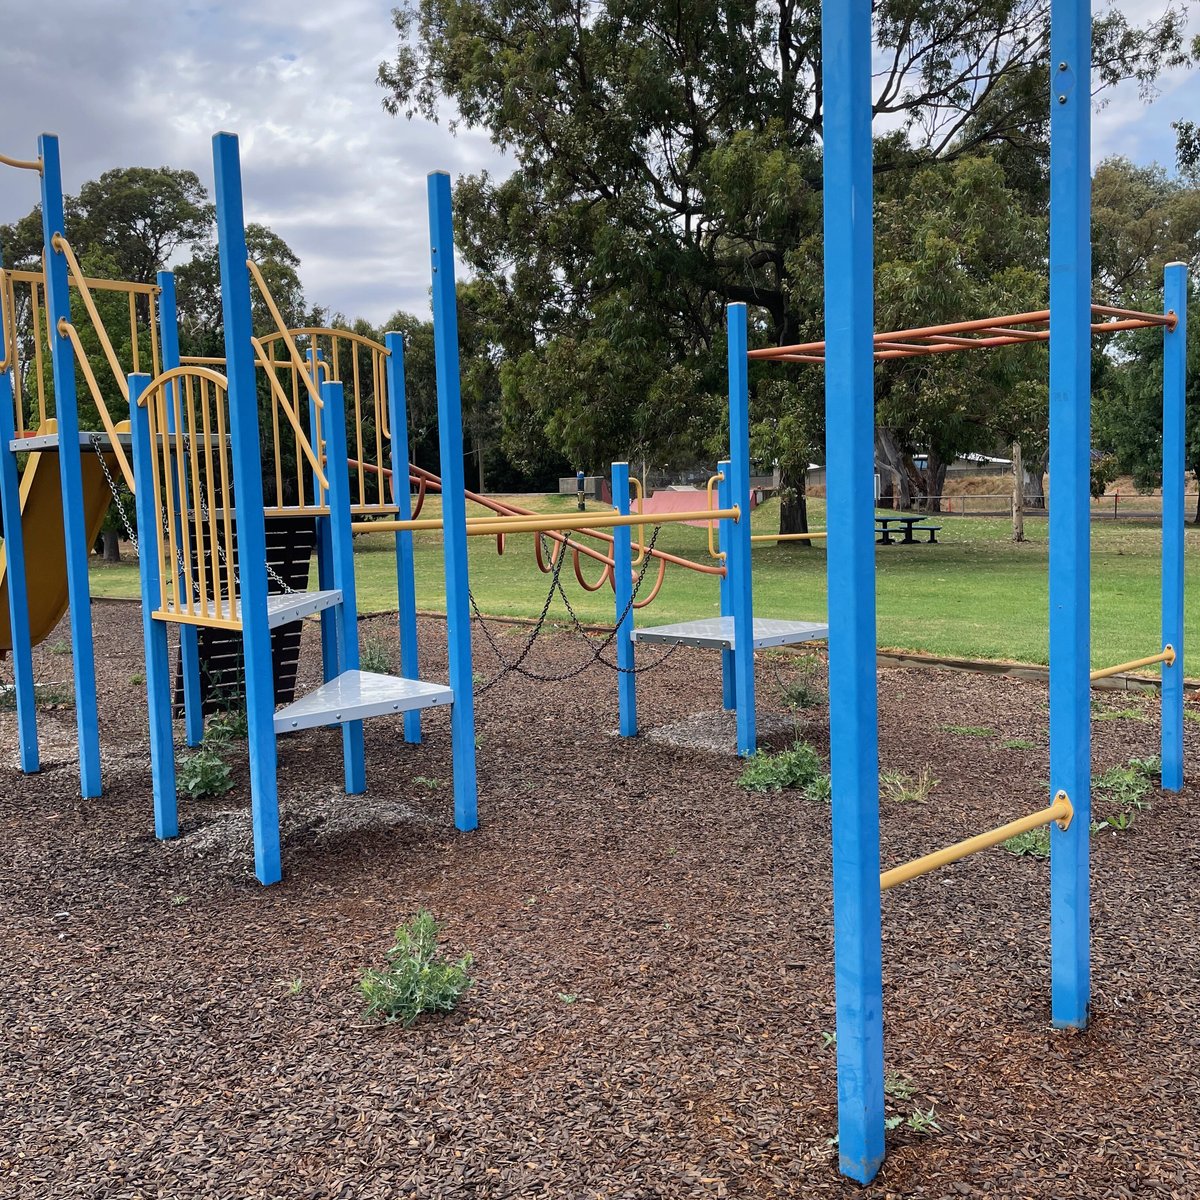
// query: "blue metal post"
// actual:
[[622, 596], [18, 597], [62, 357], [248, 500], [406, 582], [189, 645], [1070, 502], [725, 537], [1175, 290], [154, 633], [323, 541], [454, 504], [853, 701], [737, 553], [337, 470]]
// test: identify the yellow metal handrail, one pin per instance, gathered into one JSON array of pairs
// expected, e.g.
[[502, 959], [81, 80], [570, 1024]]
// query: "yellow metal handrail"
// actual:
[[293, 419], [639, 503], [69, 331], [713, 552], [1060, 811], [1167, 656], [23, 164], [282, 332], [490, 526]]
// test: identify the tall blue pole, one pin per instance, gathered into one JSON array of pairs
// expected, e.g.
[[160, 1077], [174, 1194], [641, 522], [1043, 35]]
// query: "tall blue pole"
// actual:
[[1070, 502], [1175, 289], [406, 580], [454, 504], [737, 555], [62, 357], [622, 600], [337, 470], [24, 684], [323, 540], [154, 633], [853, 701], [248, 500], [725, 537], [189, 645]]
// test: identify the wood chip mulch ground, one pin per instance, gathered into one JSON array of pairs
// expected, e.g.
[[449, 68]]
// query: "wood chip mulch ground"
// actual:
[[653, 1004]]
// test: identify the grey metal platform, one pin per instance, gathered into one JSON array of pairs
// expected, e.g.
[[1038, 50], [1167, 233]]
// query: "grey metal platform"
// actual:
[[357, 695], [717, 633], [283, 608], [49, 441]]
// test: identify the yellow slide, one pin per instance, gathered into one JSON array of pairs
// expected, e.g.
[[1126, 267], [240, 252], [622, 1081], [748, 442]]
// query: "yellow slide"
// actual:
[[45, 540]]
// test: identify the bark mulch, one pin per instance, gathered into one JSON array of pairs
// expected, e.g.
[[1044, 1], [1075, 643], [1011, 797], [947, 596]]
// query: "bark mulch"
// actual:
[[653, 1002]]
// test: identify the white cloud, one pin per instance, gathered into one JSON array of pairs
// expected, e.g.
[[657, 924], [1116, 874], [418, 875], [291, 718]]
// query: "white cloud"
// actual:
[[141, 83]]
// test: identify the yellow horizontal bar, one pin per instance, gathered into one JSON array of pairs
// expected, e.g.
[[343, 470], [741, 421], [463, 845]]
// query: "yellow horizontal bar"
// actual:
[[92, 283], [1060, 811], [487, 526], [24, 164], [788, 537], [183, 618], [1167, 656]]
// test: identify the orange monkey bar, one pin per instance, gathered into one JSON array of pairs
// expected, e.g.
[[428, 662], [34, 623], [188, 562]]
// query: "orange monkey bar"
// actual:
[[983, 334]]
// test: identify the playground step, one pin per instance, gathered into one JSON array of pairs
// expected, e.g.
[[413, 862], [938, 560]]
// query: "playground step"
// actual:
[[283, 608], [356, 695], [717, 632]]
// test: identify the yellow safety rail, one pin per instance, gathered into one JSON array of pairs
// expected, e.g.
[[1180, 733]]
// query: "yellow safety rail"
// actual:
[[490, 526], [1167, 656], [1060, 811], [27, 336], [639, 506], [24, 164], [713, 552], [193, 486]]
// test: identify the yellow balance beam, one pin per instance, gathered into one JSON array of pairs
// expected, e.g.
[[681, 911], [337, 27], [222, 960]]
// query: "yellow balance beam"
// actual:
[[1060, 811], [788, 537], [489, 526], [1167, 656]]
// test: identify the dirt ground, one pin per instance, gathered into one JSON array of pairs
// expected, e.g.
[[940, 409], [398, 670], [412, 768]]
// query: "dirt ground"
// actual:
[[653, 1002]]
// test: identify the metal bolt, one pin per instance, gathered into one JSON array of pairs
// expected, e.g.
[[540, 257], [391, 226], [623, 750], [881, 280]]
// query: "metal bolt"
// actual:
[[1062, 99], [1062, 66]]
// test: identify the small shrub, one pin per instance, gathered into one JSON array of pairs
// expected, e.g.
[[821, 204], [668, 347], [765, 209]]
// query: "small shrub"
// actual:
[[898, 1087], [136, 678], [923, 1122], [1118, 822], [204, 773], [417, 979], [1035, 843], [800, 694], [227, 727], [979, 731], [800, 768], [1120, 714], [899, 788], [376, 656]]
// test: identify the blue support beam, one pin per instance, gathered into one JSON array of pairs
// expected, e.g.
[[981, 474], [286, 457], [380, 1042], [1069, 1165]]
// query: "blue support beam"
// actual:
[[248, 501], [24, 684], [724, 538], [623, 602], [323, 541], [1175, 289], [154, 633], [62, 357], [406, 584], [337, 469], [850, 505], [1070, 503], [189, 646], [737, 553], [454, 505]]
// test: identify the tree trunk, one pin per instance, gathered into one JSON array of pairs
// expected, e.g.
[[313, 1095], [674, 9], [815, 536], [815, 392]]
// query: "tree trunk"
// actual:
[[1038, 486], [1196, 472], [112, 546], [895, 481], [479, 461], [1018, 494], [793, 505], [935, 480]]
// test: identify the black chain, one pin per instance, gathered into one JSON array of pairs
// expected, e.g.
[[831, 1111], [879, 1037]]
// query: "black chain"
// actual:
[[516, 667]]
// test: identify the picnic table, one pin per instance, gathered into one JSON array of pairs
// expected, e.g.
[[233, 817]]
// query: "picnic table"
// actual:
[[891, 527]]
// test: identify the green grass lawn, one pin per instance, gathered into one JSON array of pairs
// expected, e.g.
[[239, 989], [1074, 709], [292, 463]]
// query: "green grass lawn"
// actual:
[[976, 594]]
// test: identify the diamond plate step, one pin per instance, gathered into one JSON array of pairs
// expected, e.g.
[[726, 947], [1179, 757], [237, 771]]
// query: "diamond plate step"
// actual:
[[357, 695], [717, 632]]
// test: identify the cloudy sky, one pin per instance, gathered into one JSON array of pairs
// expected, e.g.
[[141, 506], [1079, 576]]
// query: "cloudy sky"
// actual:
[[147, 82]]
